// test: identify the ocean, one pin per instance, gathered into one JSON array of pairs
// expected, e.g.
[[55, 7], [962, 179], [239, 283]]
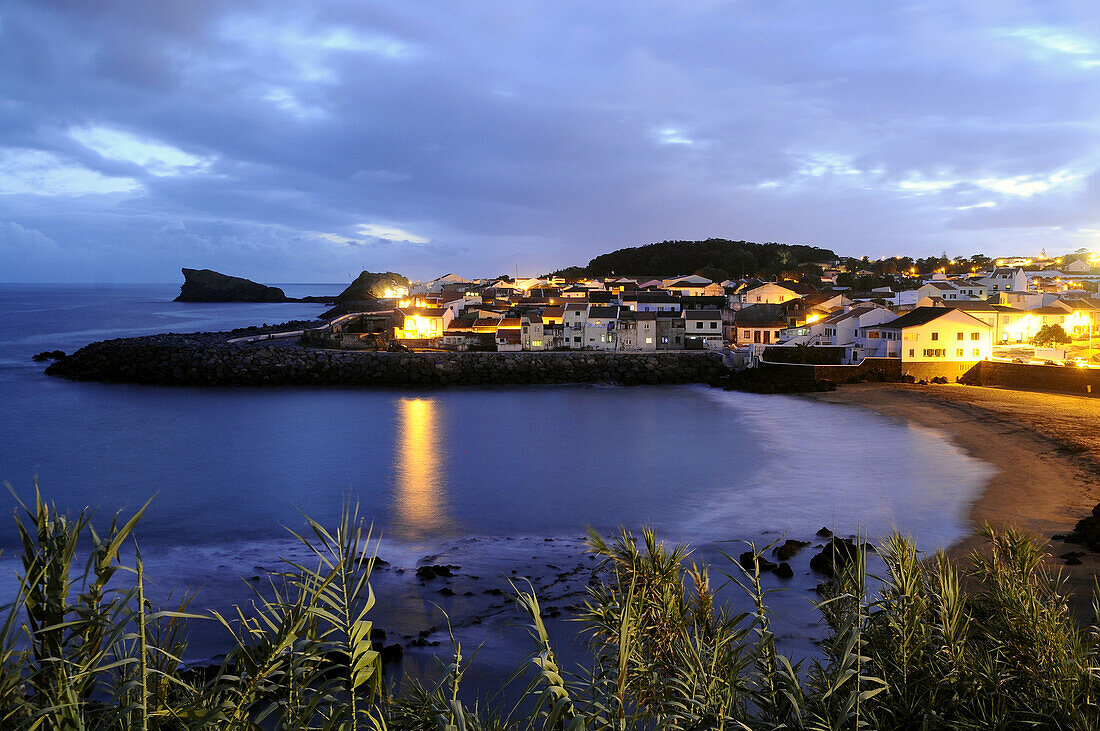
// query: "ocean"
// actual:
[[501, 481]]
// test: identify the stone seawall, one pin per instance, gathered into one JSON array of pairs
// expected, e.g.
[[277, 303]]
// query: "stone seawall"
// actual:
[[205, 360], [888, 369], [1064, 379]]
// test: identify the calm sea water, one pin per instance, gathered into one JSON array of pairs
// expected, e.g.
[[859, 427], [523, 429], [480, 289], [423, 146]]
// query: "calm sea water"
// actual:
[[449, 472]]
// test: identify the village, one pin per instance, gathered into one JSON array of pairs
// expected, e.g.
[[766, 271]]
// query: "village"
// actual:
[[1016, 312]]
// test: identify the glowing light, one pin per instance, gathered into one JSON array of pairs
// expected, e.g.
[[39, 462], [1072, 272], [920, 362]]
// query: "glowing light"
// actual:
[[418, 470], [812, 318], [395, 292]]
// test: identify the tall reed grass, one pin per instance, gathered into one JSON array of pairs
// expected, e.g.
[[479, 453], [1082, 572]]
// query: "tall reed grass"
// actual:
[[933, 645]]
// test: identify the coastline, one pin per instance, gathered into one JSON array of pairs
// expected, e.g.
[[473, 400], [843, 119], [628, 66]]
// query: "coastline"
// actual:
[[1045, 448]]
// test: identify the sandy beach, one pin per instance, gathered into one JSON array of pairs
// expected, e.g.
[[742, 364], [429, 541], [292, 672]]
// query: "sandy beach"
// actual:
[[1046, 448]]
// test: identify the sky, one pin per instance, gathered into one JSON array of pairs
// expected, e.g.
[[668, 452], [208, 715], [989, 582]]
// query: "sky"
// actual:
[[305, 141]]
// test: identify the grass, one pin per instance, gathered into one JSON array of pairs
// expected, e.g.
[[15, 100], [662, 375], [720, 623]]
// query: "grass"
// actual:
[[934, 645]]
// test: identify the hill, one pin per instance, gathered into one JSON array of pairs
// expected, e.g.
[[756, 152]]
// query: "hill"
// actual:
[[716, 259]]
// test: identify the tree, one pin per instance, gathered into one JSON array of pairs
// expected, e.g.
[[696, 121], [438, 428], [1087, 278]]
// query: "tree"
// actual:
[[714, 274], [1051, 335]]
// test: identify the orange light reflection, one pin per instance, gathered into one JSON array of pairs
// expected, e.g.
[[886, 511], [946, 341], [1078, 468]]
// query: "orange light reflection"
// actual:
[[418, 469]]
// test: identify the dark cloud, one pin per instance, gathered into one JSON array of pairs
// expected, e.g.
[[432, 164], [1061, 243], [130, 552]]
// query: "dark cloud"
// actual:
[[305, 140]]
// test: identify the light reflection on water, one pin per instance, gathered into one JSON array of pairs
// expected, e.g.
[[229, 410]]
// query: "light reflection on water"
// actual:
[[420, 508]]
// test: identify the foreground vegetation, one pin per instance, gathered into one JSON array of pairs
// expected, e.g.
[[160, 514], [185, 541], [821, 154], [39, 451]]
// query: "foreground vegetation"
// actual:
[[993, 647]]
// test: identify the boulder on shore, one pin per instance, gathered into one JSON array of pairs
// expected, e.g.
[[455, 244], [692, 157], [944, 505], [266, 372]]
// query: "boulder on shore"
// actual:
[[205, 285]]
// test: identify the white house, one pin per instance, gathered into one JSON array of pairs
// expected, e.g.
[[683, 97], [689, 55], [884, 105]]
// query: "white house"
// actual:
[[421, 323], [600, 327], [768, 293], [840, 329], [637, 331], [954, 290], [1025, 300], [532, 333], [651, 302], [702, 325], [1005, 280], [573, 320], [939, 341], [686, 280]]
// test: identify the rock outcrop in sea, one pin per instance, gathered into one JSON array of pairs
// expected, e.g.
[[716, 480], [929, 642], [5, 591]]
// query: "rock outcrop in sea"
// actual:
[[205, 285], [371, 286], [366, 290]]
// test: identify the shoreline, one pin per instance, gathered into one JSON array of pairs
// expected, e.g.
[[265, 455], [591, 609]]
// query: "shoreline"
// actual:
[[1045, 448]]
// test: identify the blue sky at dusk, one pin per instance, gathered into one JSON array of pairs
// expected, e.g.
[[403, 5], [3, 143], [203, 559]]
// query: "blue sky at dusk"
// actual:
[[306, 141]]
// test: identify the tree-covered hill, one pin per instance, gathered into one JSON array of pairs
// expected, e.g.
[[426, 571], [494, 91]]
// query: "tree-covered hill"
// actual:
[[715, 259]]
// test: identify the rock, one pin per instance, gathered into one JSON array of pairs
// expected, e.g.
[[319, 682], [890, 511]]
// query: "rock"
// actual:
[[392, 653], [784, 571], [372, 286], [427, 573], [834, 557], [789, 549], [1072, 558], [205, 285], [447, 591], [1086, 532], [49, 355], [746, 561], [824, 533]]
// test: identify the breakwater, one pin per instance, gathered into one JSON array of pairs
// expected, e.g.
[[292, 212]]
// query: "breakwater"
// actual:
[[205, 359]]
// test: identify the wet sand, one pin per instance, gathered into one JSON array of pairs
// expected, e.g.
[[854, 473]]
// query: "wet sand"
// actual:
[[1046, 448]]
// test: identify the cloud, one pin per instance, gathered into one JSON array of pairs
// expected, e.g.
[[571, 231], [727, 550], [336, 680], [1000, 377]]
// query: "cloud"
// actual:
[[40, 173], [156, 157], [389, 233], [309, 140]]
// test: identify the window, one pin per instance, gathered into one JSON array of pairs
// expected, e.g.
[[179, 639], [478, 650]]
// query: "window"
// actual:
[[958, 336], [536, 343], [713, 325], [677, 339], [977, 353], [935, 336], [910, 352], [649, 341], [576, 340], [698, 324], [975, 336], [959, 353]]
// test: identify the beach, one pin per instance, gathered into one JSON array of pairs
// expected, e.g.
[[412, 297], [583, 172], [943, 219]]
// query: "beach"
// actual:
[[1045, 448]]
